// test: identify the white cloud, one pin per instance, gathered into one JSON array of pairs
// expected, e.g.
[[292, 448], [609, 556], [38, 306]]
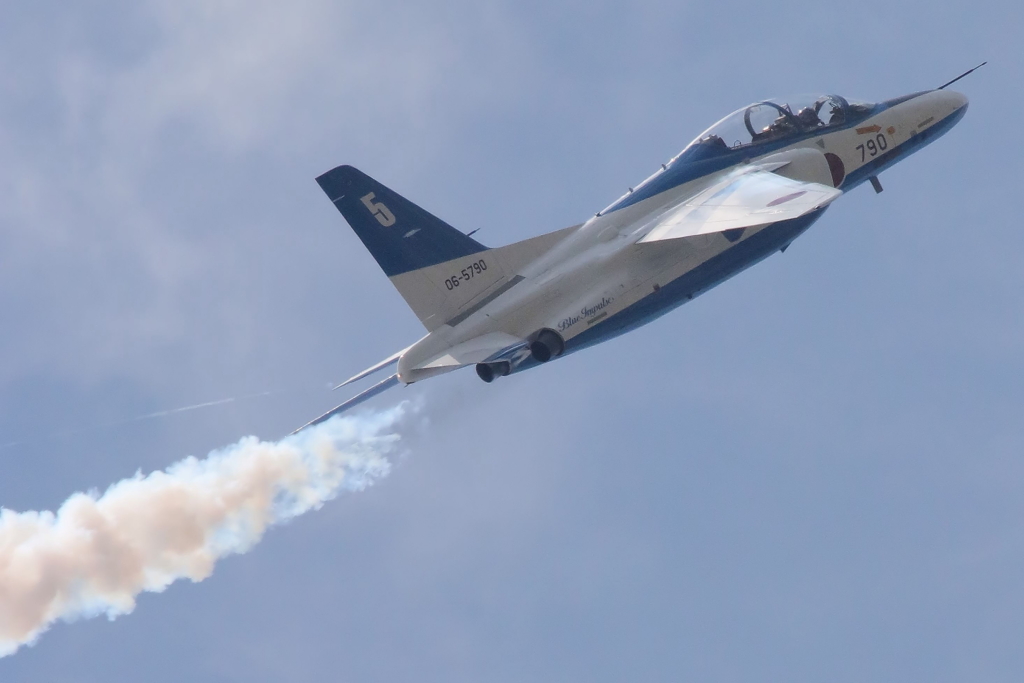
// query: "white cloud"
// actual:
[[114, 278]]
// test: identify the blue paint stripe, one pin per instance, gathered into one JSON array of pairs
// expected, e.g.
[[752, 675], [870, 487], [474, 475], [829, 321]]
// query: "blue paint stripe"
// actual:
[[704, 277]]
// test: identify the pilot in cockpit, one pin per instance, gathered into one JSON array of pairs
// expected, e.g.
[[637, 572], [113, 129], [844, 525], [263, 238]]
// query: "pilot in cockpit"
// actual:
[[837, 115], [808, 117], [781, 127]]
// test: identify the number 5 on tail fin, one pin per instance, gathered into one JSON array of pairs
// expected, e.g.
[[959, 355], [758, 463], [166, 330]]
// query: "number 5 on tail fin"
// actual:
[[401, 236], [408, 243]]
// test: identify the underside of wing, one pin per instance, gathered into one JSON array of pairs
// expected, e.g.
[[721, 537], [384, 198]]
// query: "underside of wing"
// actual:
[[378, 388], [744, 198]]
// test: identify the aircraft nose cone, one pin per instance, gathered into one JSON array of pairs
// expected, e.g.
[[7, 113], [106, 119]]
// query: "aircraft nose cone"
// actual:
[[953, 100], [923, 110], [950, 106]]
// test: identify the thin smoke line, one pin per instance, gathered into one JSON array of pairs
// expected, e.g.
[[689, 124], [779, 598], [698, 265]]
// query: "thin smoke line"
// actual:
[[140, 418], [197, 406]]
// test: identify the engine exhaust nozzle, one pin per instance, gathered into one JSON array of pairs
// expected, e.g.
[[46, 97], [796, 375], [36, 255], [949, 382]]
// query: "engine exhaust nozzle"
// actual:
[[546, 345], [489, 372]]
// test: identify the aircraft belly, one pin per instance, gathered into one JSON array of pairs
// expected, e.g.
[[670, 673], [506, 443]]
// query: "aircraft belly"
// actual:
[[653, 303], [579, 301], [633, 278]]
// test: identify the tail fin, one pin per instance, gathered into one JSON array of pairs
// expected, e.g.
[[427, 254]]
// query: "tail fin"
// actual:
[[444, 275], [400, 235]]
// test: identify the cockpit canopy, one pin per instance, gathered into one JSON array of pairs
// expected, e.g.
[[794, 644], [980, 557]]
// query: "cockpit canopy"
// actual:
[[774, 120]]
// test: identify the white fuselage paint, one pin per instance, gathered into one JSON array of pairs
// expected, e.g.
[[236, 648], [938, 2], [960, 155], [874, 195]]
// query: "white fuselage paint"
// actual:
[[600, 270]]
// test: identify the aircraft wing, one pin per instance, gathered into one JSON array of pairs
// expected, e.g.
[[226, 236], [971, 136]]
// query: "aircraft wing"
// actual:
[[492, 347], [742, 199], [378, 388]]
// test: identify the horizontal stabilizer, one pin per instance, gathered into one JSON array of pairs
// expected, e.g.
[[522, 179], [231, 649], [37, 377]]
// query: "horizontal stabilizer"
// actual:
[[378, 388], [753, 196], [387, 362], [485, 348], [476, 350]]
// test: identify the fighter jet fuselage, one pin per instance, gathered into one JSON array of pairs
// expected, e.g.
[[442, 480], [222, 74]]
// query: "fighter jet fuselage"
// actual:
[[743, 190]]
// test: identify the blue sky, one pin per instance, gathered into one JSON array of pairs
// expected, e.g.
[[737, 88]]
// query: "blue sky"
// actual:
[[812, 472]]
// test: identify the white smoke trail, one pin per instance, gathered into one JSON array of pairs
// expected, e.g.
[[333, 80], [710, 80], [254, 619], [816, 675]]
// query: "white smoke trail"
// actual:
[[98, 552]]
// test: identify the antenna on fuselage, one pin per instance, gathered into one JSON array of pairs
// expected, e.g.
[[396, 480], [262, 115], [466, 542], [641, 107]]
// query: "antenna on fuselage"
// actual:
[[966, 73]]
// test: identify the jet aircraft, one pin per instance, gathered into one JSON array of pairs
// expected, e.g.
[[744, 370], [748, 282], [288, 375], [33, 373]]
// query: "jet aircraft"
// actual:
[[742, 190]]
